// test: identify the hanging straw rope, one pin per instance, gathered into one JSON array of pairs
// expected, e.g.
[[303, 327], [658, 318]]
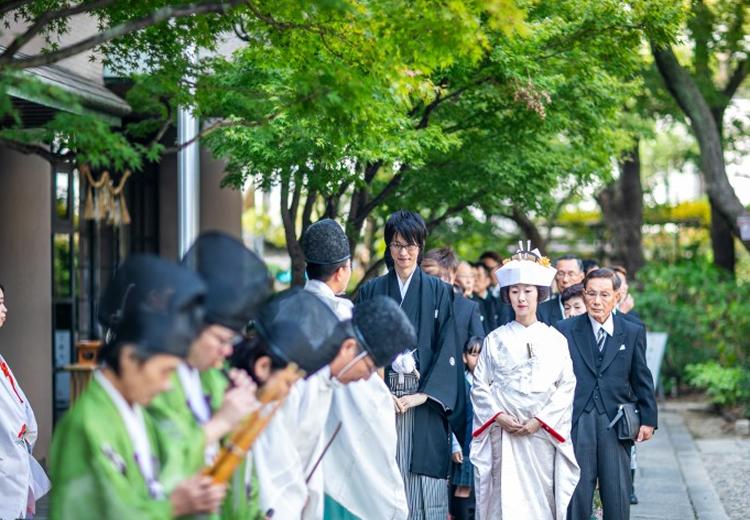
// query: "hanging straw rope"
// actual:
[[104, 201]]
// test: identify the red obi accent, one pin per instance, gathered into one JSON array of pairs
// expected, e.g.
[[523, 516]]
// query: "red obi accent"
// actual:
[[479, 431], [23, 431], [550, 430], [7, 374]]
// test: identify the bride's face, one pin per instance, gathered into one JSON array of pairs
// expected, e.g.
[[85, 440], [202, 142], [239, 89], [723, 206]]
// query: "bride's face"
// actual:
[[523, 299]]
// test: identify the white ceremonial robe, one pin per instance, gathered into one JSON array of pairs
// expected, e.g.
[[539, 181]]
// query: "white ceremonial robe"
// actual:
[[360, 469], [280, 473], [525, 372], [20, 473]]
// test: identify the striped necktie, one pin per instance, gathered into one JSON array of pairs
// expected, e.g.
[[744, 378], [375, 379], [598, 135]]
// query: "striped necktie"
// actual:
[[601, 339]]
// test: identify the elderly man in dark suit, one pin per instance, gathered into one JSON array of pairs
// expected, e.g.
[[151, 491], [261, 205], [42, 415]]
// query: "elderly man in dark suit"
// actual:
[[609, 361]]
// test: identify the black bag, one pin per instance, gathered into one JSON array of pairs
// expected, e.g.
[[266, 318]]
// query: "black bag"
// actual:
[[627, 421]]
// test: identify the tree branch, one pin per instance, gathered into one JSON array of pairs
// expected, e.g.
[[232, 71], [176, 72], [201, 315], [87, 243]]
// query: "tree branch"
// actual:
[[308, 207], [34, 149], [10, 5], [43, 20], [160, 15], [736, 79]]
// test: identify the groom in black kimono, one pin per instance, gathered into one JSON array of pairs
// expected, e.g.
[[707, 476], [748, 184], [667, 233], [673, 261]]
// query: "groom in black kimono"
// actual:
[[427, 302]]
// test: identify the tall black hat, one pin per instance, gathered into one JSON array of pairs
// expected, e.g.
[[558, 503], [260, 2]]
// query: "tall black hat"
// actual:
[[298, 327], [238, 281], [325, 243], [382, 329], [153, 304]]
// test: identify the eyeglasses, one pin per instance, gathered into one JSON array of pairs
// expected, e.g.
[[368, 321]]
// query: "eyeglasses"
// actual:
[[561, 275], [593, 295], [409, 248]]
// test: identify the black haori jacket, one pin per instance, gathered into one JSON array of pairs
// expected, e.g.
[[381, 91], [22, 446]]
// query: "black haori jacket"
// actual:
[[428, 304]]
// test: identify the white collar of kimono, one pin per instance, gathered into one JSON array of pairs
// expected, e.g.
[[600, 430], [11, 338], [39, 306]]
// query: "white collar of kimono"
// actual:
[[403, 287], [608, 325], [190, 379], [132, 416], [320, 288]]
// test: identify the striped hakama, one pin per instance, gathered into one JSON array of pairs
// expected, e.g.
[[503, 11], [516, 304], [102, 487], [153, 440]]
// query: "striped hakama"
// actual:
[[427, 497]]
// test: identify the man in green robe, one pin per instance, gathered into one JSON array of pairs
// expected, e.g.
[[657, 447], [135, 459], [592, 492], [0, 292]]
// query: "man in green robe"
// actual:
[[202, 407], [104, 458]]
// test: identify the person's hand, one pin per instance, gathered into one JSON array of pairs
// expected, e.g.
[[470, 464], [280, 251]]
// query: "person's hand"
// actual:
[[508, 423], [532, 426], [239, 402], [197, 495], [412, 401], [240, 378], [397, 404], [458, 457], [645, 433]]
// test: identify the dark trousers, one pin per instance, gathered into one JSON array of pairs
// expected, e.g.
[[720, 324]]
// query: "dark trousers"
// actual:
[[462, 508], [603, 457]]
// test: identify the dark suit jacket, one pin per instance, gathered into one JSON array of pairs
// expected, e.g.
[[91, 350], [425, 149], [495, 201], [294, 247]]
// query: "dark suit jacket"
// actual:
[[623, 375], [468, 324], [549, 311]]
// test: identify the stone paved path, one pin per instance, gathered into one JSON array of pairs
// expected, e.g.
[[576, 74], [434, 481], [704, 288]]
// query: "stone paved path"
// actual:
[[672, 482]]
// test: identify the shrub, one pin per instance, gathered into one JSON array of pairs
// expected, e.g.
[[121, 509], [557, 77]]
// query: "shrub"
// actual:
[[726, 387], [705, 312]]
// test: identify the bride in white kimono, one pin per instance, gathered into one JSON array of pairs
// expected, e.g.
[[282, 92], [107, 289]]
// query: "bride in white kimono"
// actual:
[[522, 396]]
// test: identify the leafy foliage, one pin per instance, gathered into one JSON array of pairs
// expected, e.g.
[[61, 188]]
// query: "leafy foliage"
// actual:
[[703, 310]]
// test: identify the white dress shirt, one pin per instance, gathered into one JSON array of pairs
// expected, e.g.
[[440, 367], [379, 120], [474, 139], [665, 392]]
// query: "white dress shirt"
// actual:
[[404, 286], [608, 326]]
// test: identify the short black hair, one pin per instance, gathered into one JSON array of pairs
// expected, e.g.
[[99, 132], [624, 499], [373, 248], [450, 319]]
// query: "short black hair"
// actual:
[[589, 264], [410, 225], [574, 291], [324, 272], [571, 257], [251, 349], [2, 288], [480, 265], [608, 274], [493, 255], [473, 345], [542, 293], [109, 354]]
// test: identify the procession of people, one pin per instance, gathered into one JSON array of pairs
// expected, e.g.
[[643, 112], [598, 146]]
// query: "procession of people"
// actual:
[[507, 388]]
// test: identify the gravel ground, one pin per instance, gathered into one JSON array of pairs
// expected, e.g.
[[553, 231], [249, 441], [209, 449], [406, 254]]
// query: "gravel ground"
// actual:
[[725, 455], [728, 465]]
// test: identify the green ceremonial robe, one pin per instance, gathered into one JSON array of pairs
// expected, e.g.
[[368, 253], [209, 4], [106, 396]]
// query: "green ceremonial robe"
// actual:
[[93, 468], [182, 444]]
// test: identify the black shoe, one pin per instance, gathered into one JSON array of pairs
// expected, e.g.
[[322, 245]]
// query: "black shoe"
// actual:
[[633, 499]]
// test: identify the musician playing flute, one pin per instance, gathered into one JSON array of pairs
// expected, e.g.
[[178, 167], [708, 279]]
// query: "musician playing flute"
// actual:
[[201, 408]]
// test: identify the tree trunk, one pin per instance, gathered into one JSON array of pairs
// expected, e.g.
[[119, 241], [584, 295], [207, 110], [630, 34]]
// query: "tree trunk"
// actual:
[[622, 208], [289, 219], [722, 241], [529, 229], [688, 96]]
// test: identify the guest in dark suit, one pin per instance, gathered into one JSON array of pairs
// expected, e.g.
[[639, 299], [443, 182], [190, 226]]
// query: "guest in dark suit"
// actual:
[[609, 360], [569, 272], [488, 304], [443, 264]]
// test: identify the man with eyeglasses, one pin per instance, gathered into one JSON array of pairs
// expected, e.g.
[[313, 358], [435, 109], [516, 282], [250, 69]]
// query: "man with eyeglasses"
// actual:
[[424, 378], [609, 361], [569, 272]]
